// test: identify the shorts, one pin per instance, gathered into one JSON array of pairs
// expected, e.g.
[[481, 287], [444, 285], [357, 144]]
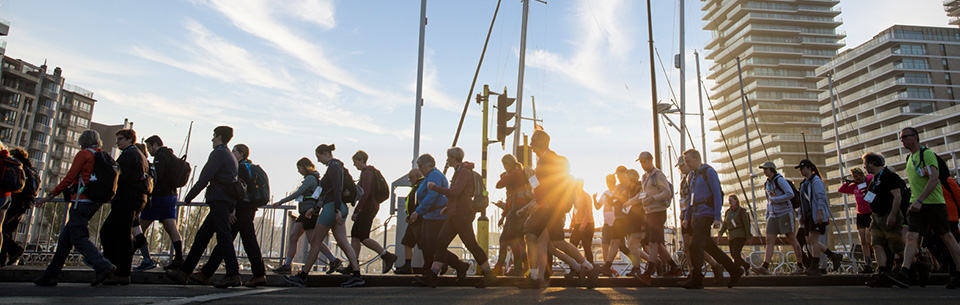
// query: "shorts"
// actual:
[[863, 221], [161, 207], [361, 227], [783, 224], [634, 222], [583, 237], [892, 237], [933, 216], [609, 233], [655, 229], [816, 227], [411, 237], [555, 227], [308, 222], [328, 216]]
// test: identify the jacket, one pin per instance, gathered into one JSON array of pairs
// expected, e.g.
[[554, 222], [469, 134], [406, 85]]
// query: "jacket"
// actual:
[[332, 184], [813, 200], [951, 193], [658, 192], [163, 162], [704, 185], [863, 207], [221, 168], [778, 193], [736, 222], [132, 179], [461, 190], [516, 183], [367, 181], [80, 171], [431, 202]]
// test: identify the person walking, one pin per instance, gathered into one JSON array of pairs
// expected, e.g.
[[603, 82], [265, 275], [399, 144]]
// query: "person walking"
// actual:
[[430, 213], [858, 188], [736, 222], [366, 211], [163, 202], [781, 218], [816, 215], [886, 227], [519, 194], [305, 223], [411, 235], [133, 185], [19, 204]]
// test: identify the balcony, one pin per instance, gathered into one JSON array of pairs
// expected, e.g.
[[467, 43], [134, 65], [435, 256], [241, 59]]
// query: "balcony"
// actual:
[[42, 128], [60, 138], [66, 106]]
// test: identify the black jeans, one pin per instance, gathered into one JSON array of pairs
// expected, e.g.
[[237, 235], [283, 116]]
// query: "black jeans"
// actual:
[[701, 242], [462, 225], [11, 221], [736, 249], [245, 228], [217, 222], [76, 235], [429, 231], [115, 235]]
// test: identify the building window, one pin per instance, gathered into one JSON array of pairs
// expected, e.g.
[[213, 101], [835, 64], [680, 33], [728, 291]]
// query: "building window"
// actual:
[[913, 92], [950, 92], [912, 63], [910, 49], [86, 107], [918, 107]]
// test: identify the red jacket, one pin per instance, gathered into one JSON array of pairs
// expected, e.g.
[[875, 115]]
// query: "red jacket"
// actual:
[[461, 190], [81, 168], [953, 202], [515, 181]]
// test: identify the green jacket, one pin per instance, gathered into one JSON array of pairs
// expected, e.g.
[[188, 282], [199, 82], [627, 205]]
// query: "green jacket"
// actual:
[[736, 221]]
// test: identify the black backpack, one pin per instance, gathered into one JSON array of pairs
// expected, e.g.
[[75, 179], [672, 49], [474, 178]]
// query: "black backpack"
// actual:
[[381, 190], [12, 178], [179, 171], [258, 184], [31, 186], [103, 181], [795, 201], [351, 192]]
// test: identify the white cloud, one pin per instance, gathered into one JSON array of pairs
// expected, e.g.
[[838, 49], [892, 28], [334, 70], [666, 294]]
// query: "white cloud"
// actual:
[[319, 12], [259, 18], [169, 109], [210, 56]]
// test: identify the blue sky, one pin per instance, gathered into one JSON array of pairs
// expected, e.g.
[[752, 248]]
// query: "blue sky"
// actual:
[[290, 75]]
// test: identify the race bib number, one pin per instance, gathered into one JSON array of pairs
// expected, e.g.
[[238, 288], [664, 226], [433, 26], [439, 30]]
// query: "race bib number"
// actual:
[[862, 186], [869, 197], [534, 182]]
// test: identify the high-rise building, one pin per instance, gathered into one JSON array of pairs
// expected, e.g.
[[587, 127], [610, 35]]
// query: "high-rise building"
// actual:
[[903, 77], [952, 7], [44, 115], [779, 44]]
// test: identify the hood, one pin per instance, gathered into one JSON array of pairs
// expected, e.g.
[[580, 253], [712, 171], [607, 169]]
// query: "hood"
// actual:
[[468, 165]]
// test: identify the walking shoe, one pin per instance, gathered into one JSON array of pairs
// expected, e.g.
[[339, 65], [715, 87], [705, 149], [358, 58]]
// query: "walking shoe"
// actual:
[[674, 271], [145, 265], [836, 259], [516, 272], [572, 274], [488, 280], [389, 259], [954, 282], [229, 281], [735, 276], [462, 272], [199, 278], [593, 277], [45, 282], [103, 274], [530, 283], [299, 279], [692, 284], [633, 271], [405, 269], [761, 270], [345, 270], [355, 280], [428, 279], [256, 280], [923, 272], [717, 274], [283, 269], [174, 264], [443, 270], [644, 279], [877, 280], [178, 276], [332, 266], [903, 278], [814, 272], [115, 280], [14, 259]]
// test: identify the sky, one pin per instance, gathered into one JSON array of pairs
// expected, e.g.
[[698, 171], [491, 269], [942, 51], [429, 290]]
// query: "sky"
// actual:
[[290, 75]]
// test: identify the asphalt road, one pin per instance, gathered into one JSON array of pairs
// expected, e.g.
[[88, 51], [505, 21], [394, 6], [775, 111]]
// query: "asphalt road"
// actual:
[[75, 293]]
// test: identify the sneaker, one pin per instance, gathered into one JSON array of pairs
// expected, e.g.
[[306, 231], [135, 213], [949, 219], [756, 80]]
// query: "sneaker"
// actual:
[[735, 276], [355, 280], [174, 264], [199, 278], [692, 284], [901, 278], [878, 281], [593, 277], [256, 281], [389, 259], [45, 282], [103, 275], [606, 270], [760, 270], [489, 279], [14, 259], [674, 271], [428, 279], [145, 265], [405, 269], [283, 269], [229, 281], [836, 259], [299, 279], [644, 279], [814, 272], [178, 276], [462, 272], [332, 267], [953, 283], [516, 272]]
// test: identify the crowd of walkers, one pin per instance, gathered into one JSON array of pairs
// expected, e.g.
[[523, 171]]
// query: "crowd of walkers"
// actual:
[[908, 227]]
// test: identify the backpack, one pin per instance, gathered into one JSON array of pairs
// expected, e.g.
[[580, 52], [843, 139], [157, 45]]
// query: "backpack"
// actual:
[[942, 167], [179, 171], [12, 178], [351, 191], [103, 181], [480, 200], [709, 203], [31, 186], [795, 201], [381, 191], [258, 184]]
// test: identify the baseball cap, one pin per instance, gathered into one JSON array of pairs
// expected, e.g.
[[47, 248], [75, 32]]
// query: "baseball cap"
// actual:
[[680, 161], [805, 163], [769, 164], [645, 156]]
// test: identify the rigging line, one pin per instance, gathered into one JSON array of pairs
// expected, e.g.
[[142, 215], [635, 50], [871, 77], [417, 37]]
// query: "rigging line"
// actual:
[[743, 189], [757, 126], [846, 115], [670, 85]]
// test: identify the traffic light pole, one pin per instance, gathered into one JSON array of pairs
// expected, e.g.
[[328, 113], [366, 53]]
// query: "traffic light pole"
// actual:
[[483, 223]]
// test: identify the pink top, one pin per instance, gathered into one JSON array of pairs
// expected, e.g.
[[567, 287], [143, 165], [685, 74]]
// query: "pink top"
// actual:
[[863, 207]]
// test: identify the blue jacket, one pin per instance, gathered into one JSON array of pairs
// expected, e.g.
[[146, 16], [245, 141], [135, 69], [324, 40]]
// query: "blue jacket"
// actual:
[[432, 202], [813, 200], [704, 183]]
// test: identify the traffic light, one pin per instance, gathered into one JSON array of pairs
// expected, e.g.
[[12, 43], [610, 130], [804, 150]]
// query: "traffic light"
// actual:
[[504, 117]]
